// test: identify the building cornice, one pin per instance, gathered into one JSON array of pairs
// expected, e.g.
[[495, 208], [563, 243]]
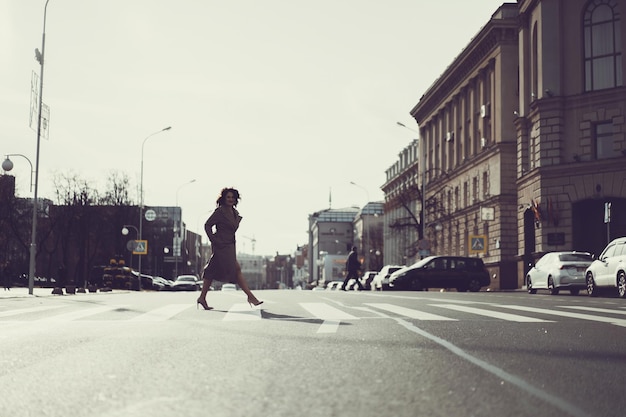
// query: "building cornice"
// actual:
[[497, 32]]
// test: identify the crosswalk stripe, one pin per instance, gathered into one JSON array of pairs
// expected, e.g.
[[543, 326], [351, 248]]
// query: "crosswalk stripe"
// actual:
[[242, 312], [26, 310], [601, 319], [330, 315], [329, 326], [408, 312], [493, 314], [597, 310], [162, 313], [326, 312], [78, 314]]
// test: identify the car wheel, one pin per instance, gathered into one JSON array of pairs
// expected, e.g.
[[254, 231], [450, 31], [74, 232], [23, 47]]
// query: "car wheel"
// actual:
[[416, 285], [574, 291], [529, 286], [553, 290], [592, 291], [621, 285], [474, 285]]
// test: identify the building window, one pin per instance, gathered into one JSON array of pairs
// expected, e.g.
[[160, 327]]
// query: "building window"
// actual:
[[605, 147], [603, 49], [486, 185]]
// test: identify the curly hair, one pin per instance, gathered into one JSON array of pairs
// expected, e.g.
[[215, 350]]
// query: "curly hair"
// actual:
[[221, 199]]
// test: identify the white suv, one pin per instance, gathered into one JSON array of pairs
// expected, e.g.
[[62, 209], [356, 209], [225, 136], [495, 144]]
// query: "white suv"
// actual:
[[381, 280], [609, 270]]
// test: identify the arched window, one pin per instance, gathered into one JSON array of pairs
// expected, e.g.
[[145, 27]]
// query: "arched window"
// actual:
[[603, 48]]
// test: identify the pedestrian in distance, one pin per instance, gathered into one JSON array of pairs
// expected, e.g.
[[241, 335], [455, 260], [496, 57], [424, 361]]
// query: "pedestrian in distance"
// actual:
[[223, 266], [353, 266], [6, 275]]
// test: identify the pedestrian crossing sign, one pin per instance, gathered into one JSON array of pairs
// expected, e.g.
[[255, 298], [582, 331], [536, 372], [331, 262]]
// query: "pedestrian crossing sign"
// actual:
[[477, 244], [141, 247]]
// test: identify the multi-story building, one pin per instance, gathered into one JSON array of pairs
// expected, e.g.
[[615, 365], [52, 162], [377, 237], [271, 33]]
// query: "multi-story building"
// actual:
[[368, 229], [570, 126], [521, 143]]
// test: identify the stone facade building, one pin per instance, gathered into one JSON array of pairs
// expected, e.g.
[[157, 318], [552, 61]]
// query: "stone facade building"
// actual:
[[521, 143]]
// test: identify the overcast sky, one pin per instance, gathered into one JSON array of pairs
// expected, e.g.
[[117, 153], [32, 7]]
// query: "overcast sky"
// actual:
[[286, 100]]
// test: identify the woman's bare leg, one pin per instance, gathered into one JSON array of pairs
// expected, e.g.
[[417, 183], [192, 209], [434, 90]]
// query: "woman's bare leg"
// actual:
[[243, 284], [206, 284]]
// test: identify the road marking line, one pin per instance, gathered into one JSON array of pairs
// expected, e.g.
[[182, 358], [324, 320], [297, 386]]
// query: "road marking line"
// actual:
[[330, 315], [329, 326], [27, 310], [597, 310], [325, 312], [408, 312], [78, 314], [610, 320], [540, 393], [242, 312], [494, 314], [162, 313]]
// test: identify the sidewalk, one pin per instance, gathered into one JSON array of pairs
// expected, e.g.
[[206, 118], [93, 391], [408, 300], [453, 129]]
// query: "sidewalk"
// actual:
[[21, 292]]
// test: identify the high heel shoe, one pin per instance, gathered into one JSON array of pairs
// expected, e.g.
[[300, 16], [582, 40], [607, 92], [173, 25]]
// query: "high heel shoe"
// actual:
[[203, 304], [254, 302]]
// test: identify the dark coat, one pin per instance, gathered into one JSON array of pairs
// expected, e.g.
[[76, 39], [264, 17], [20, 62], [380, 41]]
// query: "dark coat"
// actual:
[[353, 264], [223, 264]]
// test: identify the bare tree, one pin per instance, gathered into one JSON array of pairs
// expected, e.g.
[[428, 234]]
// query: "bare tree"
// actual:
[[83, 223], [117, 190]]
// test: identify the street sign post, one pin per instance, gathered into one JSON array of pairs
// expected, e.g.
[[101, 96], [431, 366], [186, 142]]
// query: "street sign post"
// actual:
[[141, 247]]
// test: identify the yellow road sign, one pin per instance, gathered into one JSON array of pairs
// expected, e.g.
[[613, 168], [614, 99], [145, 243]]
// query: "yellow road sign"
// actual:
[[141, 247], [477, 244]]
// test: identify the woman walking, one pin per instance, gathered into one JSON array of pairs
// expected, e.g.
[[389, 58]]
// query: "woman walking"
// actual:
[[223, 266]]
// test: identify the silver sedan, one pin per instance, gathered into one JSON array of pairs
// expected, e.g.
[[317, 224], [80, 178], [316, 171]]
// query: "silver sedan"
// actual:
[[559, 270]]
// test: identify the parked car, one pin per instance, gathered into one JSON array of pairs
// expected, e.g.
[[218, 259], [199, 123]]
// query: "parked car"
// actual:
[[366, 279], [462, 273], [186, 283], [229, 287], [147, 282], [555, 271], [380, 281], [162, 284], [609, 270], [334, 285]]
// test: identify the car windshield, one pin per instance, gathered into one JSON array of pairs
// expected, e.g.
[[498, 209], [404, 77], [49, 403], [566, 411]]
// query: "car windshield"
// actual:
[[575, 257], [185, 279]]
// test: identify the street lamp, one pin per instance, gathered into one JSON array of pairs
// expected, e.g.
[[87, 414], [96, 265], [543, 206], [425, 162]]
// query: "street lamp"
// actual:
[[141, 196], [39, 55], [179, 229], [366, 244], [7, 165], [125, 232]]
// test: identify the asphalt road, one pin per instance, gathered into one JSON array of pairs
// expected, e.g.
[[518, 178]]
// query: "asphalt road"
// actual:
[[305, 353]]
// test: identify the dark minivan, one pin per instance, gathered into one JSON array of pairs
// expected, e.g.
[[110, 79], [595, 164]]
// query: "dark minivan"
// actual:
[[462, 273]]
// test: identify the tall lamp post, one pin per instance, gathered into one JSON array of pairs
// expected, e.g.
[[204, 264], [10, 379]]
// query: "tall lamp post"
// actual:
[[141, 196], [365, 249], [39, 55], [179, 228], [125, 232]]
